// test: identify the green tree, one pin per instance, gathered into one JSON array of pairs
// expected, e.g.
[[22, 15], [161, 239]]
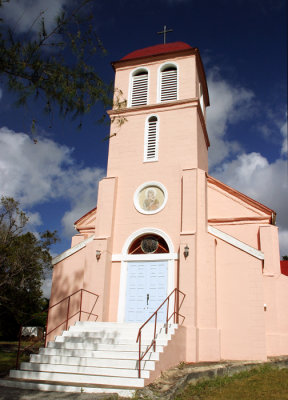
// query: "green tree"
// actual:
[[24, 258], [285, 258], [56, 66]]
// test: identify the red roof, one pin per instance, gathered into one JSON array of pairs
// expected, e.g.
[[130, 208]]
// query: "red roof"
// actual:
[[158, 49], [284, 267]]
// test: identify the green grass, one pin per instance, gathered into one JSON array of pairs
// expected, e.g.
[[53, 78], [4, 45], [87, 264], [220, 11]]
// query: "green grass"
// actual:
[[264, 383], [8, 355]]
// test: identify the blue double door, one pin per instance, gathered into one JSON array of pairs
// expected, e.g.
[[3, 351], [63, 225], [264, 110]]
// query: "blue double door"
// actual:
[[146, 290]]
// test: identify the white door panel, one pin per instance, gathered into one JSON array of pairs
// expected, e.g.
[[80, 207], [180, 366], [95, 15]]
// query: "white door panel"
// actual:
[[146, 290]]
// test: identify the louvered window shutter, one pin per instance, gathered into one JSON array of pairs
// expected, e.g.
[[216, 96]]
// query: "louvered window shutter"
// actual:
[[139, 90], [151, 140], [169, 84]]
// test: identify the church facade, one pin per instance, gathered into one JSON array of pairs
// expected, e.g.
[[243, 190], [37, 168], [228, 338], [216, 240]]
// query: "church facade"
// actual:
[[162, 223]]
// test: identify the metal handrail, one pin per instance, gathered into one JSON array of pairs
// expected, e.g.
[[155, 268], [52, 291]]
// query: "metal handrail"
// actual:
[[66, 321], [175, 314]]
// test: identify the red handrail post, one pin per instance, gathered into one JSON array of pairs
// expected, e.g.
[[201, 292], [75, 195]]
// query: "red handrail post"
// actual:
[[167, 312], [46, 327], [19, 345], [68, 310], [177, 306], [174, 314], [139, 364], [154, 341], [80, 305]]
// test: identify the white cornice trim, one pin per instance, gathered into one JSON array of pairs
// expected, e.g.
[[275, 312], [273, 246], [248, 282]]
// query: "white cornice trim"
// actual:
[[71, 251], [144, 257], [175, 104], [236, 243]]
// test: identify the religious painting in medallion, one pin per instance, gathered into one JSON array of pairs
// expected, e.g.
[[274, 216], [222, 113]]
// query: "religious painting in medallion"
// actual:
[[150, 198]]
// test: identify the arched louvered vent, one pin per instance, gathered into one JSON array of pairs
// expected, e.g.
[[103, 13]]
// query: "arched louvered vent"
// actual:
[[139, 95], [151, 140], [168, 83]]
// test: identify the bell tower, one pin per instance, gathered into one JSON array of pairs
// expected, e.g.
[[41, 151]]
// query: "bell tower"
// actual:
[[164, 121], [156, 181]]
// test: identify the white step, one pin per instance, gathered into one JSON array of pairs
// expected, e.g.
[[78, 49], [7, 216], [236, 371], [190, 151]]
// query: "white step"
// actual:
[[75, 369], [78, 378], [93, 333], [119, 328], [127, 355], [123, 325], [99, 346], [83, 339], [96, 362], [95, 357], [65, 388]]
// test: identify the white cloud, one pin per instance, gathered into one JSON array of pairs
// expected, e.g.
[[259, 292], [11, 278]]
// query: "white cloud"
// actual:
[[229, 104], [273, 128], [38, 173], [46, 285], [250, 173], [33, 223], [83, 195], [34, 218], [265, 182], [283, 130], [25, 15]]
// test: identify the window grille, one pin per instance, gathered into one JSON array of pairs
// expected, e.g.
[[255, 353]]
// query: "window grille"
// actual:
[[169, 84], [151, 140], [139, 89]]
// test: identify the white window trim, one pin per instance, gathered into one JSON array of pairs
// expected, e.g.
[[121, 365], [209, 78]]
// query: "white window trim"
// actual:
[[159, 80], [132, 73], [146, 139], [146, 184], [144, 257]]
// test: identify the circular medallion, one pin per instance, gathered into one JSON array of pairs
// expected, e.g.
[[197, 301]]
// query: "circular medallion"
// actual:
[[150, 198]]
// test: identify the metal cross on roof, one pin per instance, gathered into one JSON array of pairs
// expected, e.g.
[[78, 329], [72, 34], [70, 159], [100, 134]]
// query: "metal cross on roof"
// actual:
[[165, 30]]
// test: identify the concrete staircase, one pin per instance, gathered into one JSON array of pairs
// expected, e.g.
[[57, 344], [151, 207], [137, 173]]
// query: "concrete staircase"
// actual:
[[95, 357]]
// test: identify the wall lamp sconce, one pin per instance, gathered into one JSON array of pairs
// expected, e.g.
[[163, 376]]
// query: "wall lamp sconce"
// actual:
[[186, 251], [98, 254]]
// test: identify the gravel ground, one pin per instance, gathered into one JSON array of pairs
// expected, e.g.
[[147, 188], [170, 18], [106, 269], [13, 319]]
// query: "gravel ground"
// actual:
[[7, 393]]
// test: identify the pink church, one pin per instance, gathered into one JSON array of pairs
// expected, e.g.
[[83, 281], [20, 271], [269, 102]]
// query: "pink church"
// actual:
[[163, 225]]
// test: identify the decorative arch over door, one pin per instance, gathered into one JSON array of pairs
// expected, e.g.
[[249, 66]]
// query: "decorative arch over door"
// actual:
[[147, 274], [148, 244]]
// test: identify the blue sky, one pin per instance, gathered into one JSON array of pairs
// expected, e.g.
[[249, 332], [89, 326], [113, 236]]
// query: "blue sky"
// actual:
[[243, 47]]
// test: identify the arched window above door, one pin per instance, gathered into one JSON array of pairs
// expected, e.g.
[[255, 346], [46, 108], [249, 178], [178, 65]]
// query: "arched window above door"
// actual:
[[148, 244]]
